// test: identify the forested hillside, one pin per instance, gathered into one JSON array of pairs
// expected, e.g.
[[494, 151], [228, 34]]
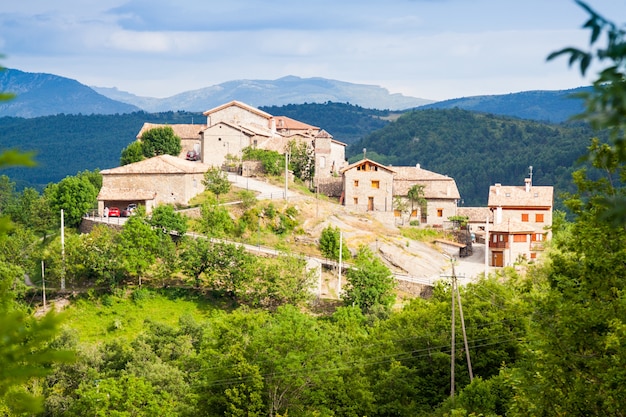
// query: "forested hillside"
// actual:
[[479, 150], [67, 144], [346, 122]]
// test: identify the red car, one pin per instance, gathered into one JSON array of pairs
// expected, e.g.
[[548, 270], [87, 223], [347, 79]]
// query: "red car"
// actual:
[[114, 212]]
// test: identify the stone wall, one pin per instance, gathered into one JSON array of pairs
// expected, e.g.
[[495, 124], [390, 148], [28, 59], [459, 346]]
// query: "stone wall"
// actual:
[[332, 187]]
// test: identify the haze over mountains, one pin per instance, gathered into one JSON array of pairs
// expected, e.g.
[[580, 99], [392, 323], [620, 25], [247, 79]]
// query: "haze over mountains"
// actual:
[[39, 94]]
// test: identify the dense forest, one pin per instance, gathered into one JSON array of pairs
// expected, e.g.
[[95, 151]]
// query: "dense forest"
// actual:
[[479, 150]]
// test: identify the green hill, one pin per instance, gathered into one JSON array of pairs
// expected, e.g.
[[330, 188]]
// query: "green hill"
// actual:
[[479, 150]]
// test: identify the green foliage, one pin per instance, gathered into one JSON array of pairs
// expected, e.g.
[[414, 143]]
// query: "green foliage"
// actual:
[[345, 121], [138, 245], [247, 198], [216, 220], [605, 105], [456, 142], [132, 153], [301, 160], [75, 195], [273, 162], [329, 244], [160, 141], [370, 284], [165, 218], [216, 181]]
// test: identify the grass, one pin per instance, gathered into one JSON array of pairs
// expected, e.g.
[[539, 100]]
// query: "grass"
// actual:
[[422, 234], [102, 319]]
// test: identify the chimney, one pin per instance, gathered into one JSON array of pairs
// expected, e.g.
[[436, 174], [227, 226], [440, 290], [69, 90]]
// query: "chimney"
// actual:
[[528, 184], [418, 166], [498, 218], [497, 187]]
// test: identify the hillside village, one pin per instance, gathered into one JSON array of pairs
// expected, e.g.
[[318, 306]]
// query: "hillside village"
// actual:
[[516, 221]]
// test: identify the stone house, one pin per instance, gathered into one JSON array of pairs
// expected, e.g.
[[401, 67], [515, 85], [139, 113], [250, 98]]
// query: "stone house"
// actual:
[[371, 186], [522, 217], [368, 186], [163, 179], [440, 192], [189, 135]]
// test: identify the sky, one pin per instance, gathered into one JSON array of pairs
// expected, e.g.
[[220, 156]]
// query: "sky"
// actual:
[[431, 49]]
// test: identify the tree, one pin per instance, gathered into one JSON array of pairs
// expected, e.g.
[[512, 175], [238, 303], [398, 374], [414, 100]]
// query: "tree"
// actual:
[[605, 105], [301, 160], [138, 245], [329, 244], [164, 217], [75, 195], [160, 141], [416, 196], [370, 284], [216, 181], [132, 153]]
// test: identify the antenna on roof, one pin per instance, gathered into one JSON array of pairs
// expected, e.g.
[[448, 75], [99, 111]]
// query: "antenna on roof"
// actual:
[[364, 152], [530, 168]]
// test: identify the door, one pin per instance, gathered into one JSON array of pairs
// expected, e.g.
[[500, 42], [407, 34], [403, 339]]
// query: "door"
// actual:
[[370, 203], [497, 259]]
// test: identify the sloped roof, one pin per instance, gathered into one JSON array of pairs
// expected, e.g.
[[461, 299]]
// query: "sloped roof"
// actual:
[[247, 129], [284, 122], [435, 185], [125, 194], [476, 214], [517, 196], [362, 161], [512, 226], [183, 131], [241, 105], [161, 164]]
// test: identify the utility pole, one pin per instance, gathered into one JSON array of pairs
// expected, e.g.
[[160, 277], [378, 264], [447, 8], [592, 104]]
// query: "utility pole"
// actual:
[[286, 173], [340, 258], [452, 352], [63, 250], [467, 353], [43, 284]]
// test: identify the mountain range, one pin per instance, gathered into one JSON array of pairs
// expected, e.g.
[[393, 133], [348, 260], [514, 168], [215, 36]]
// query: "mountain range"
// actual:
[[39, 94]]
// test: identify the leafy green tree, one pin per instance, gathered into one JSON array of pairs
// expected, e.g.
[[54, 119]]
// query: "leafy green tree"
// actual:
[[96, 258], [164, 217], [329, 244], [75, 195], [370, 284], [132, 153], [138, 245], [160, 141], [216, 181], [605, 105], [416, 196], [273, 163], [195, 259], [301, 160], [248, 199], [216, 220]]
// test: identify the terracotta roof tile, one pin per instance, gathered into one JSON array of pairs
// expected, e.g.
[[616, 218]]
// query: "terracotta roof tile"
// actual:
[[476, 214], [183, 131], [284, 122], [517, 196], [162, 164], [512, 226], [239, 104]]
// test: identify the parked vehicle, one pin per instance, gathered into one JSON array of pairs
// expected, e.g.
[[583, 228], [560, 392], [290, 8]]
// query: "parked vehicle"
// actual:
[[128, 211], [193, 156], [114, 212]]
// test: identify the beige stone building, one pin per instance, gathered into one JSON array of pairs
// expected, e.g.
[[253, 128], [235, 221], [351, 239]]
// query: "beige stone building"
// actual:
[[522, 218], [371, 186], [189, 135], [368, 186], [163, 179]]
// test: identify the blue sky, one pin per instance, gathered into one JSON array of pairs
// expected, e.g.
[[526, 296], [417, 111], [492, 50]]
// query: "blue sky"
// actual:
[[433, 49]]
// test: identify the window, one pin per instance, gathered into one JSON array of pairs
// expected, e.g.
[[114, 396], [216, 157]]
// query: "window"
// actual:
[[539, 217], [520, 238], [533, 255], [375, 184], [538, 237], [524, 217], [356, 183], [356, 201], [439, 212]]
